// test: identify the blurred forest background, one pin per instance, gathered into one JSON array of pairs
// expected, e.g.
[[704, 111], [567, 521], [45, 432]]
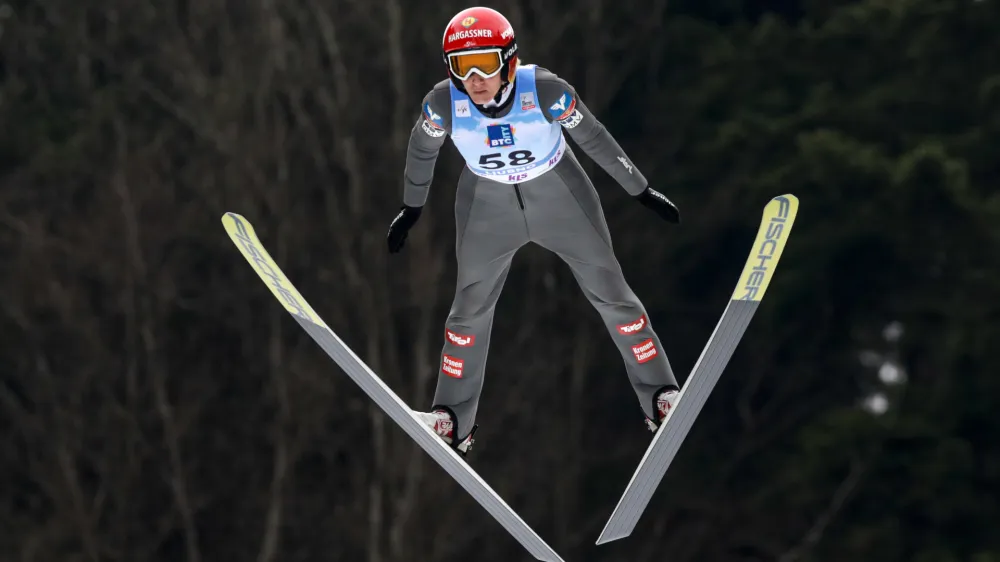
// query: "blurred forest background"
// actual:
[[157, 404]]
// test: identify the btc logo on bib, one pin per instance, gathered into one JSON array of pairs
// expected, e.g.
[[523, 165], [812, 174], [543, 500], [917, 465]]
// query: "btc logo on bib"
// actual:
[[499, 136]]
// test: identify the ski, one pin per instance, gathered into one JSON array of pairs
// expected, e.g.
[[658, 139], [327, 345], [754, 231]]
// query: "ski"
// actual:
[[775, 226], [243, 235]]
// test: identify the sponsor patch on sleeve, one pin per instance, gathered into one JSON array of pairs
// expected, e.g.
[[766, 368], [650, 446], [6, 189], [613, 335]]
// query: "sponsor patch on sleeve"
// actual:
[[452, 366], [626, 163], [645, 351], [431, 130], [572, 121]]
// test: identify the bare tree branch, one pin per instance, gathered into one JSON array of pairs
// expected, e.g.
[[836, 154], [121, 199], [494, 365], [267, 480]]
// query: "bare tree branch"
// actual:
[[839, 498]]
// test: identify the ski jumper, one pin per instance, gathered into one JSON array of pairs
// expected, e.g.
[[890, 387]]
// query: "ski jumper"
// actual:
[[522, 183]]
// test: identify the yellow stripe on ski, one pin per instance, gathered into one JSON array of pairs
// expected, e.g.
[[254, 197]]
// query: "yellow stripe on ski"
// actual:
[[775, 226], [243, 235]]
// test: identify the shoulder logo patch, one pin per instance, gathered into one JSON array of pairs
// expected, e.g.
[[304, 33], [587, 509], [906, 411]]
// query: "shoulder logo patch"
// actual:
[[433, 119], [563, 107]]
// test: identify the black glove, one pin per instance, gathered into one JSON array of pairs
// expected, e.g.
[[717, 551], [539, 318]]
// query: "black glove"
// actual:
[[400, 226], [658, 202]]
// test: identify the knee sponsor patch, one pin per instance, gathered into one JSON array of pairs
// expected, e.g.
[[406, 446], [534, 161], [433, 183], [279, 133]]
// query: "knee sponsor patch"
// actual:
[[645, 351], [460, 340], [452, 366], [633, 327]]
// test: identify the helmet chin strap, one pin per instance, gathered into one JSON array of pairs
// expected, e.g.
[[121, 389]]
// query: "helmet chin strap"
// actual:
[[501, 97]]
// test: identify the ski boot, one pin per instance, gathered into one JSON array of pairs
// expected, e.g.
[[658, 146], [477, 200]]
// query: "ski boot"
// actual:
[[665, 400], [440, 422]]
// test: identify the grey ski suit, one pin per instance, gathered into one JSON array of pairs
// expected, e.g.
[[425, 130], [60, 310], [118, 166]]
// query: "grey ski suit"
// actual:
[[560, 211]]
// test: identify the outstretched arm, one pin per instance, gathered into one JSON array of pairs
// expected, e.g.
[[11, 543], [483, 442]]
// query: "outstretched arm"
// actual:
[[560, 102], [426, 139]]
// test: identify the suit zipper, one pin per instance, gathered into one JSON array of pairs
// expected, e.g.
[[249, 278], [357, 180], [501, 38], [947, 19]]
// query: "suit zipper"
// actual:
[[520, 201]]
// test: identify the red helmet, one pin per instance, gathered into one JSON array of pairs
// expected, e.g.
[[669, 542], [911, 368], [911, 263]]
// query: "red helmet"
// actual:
[[481, 41]]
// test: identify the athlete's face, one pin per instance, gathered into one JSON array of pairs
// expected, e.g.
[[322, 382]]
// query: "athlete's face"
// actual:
[[480, 89]]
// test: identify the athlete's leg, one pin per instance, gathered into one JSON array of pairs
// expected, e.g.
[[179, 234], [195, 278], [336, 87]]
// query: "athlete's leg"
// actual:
[[565, 216], [490, 228]]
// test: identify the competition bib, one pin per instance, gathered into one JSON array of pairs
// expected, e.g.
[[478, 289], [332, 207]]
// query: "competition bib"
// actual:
[[511, 149]]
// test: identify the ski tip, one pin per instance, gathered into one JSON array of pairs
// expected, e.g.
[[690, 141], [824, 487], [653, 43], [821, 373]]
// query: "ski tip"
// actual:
[[242, 234], [775, 226], [785, 206], [239, 228]]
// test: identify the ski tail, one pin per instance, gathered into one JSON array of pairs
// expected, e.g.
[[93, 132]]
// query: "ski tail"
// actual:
[[772, 235]]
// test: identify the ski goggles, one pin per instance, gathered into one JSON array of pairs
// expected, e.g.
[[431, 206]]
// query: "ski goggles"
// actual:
[[486, 63]]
